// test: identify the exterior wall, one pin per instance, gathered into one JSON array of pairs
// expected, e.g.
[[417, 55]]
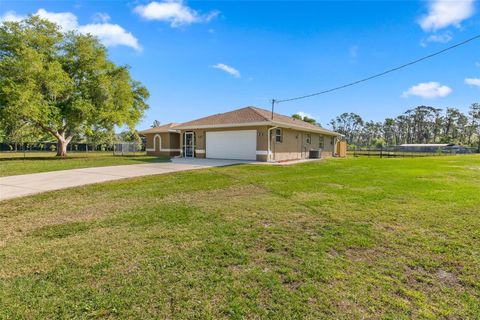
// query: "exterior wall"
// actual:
[[170, 144], [201, 135], [342, 148], [293, 147]]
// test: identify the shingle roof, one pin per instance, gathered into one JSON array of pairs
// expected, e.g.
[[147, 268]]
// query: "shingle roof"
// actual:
[[252, 116], [165, 128]]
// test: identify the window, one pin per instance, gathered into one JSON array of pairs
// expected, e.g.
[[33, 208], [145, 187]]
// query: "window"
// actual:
[[308, 138], [332, 140], [321, 141], [278, 135]]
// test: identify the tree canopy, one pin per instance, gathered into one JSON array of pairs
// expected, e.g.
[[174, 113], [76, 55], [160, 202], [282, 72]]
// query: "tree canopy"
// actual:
[[423, 124], [305, 118], [63, 83]]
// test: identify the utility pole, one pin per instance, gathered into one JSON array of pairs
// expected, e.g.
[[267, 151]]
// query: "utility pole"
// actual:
[[273, 106]]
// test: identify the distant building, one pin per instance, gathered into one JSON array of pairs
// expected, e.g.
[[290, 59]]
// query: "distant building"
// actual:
[[433, 147]]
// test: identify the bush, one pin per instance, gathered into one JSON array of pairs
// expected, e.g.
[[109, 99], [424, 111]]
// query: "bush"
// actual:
[[53, 147]]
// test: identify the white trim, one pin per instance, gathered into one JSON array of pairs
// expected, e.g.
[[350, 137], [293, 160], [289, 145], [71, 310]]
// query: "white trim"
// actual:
[[185, 146], [262, 123], [163, 150], [226, 125], [269, 138], [263, 152], [157, 135], [200, 151]]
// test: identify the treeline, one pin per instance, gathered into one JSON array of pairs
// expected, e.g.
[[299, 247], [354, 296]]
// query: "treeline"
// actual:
[[21, 135], [423, 124]]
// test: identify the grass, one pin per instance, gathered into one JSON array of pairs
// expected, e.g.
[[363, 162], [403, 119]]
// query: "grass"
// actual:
[[355, 238], [33, 162]]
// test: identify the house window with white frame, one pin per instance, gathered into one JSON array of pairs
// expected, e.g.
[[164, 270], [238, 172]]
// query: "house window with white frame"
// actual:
[[309, 139], [278, 135]]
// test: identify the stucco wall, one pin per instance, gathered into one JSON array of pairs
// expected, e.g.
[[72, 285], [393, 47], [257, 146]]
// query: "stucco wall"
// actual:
[[169, 141], [293, 146], [296, 145]]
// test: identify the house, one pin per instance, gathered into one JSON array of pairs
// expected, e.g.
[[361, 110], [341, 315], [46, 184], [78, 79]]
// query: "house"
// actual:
[[248, 133], [163, 140]]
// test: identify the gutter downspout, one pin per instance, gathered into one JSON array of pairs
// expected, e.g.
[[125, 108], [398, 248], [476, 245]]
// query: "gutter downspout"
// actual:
[[335, 146], [269, 141]]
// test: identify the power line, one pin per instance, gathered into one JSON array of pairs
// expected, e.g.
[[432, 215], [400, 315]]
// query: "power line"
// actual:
[[379, 74]]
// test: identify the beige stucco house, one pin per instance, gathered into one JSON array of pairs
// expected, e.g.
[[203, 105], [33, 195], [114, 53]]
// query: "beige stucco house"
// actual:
[[163, 140], [247, 134]]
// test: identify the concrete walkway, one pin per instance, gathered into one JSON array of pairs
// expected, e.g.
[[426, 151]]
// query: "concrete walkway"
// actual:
[[27, 184]]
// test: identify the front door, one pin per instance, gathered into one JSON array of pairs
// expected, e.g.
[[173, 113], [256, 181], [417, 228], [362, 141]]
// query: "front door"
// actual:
[[189, 146]]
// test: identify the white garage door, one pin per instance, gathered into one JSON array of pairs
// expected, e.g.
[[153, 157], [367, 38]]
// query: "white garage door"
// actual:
[[240, 144]]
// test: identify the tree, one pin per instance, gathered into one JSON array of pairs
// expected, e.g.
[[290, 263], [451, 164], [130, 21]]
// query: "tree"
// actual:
[[131, 136], [19, 133], [155, 124], [348, 124], [474, 113], [98, 135], [63, 83], [305, 118], [422, 124]]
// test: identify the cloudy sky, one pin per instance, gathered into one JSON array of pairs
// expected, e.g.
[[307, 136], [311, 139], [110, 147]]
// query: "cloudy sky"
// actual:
[[203, 57]]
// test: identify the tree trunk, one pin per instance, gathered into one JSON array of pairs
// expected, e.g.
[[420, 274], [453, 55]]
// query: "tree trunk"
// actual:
[[62, 147]]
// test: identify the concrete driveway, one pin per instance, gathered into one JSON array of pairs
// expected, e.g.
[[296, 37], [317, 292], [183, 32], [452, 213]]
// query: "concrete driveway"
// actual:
[[27, 184]]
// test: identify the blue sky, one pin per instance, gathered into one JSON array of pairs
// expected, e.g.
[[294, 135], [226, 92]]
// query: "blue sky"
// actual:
[[203, 57]]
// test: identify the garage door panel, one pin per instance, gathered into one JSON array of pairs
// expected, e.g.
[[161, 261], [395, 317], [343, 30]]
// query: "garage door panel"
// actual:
[[237, 144]]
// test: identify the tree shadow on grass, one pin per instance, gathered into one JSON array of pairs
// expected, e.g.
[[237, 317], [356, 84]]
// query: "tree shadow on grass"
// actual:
[[139, 158]]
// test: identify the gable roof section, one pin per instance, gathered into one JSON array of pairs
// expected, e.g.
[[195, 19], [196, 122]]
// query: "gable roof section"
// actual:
[[169, 127], [252, 116]]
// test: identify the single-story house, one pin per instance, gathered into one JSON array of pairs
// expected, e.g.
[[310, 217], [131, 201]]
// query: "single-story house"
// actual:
[[163, 140], [249, 133]]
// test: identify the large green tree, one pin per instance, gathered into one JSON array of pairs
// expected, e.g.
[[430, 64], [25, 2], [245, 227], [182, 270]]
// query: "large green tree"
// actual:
[[63, 83]]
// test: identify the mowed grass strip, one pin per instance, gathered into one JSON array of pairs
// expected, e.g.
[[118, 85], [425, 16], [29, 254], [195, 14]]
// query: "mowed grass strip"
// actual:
[[33, 162], [341, 238]]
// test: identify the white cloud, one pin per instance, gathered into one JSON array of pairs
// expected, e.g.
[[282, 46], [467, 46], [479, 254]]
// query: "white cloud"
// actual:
[[11, 16], [228, 69], [445, 13], [109, 34], [66, 20], [440, 38], [428, 90], [304, 114], [101, 17], [473, 82], [174, 12]]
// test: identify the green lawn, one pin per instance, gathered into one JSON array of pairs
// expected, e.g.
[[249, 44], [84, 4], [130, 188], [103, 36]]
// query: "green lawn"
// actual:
[[343, 238], [32, 162]]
